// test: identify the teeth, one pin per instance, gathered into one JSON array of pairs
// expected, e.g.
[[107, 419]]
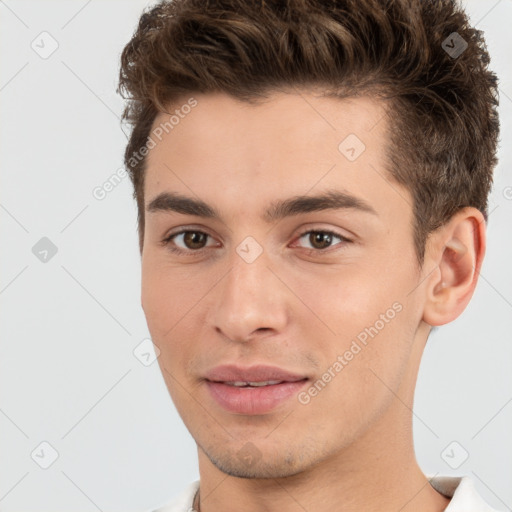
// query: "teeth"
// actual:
[[265, 383], [240, 384]]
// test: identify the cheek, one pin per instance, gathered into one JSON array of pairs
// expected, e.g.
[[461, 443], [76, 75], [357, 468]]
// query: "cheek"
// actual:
[[371, 326], [171, 300], [350, 298], [166, 293], [362, 367]]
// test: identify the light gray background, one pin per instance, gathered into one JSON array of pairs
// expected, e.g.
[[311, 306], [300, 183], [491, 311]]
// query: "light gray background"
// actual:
[[68, 375]]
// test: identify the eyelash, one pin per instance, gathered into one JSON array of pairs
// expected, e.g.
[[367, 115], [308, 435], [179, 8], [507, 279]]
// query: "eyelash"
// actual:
[[176, 250]]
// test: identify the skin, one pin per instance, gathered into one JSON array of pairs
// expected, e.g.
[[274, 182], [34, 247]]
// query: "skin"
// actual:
[[351, 447]]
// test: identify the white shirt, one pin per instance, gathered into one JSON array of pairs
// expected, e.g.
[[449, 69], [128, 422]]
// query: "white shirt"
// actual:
[[461, 490]]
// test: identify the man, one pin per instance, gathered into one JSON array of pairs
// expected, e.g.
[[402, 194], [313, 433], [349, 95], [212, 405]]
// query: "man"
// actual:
[[311, 180]]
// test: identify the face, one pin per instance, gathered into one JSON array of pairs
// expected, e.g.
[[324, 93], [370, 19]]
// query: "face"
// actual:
[[309, 300]]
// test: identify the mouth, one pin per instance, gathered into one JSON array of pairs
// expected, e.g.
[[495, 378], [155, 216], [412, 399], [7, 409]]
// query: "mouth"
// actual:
[[255, 374], [256, 384], [252, 390]]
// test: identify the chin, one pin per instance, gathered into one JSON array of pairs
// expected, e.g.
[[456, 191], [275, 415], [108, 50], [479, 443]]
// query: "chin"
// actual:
[[262, 471], [250, 462]]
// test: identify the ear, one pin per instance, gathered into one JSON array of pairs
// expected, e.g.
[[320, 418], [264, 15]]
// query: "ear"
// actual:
[[456, 252]]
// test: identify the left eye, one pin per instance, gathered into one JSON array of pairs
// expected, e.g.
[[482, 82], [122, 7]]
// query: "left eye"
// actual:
[[321, 240]]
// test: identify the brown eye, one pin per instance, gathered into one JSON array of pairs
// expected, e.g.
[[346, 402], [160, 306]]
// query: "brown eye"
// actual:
[[194, 239], [187, 241], [320, 239]]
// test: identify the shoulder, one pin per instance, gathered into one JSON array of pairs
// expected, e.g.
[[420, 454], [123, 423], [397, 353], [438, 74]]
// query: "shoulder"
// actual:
[[182, 502], [463, 494]]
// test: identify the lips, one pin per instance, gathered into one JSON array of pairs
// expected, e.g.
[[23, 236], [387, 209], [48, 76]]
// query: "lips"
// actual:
[[253, 390], [252, 374], [255, 384]]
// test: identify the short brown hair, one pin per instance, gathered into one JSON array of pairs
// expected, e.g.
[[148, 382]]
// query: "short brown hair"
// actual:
[[423, 56]]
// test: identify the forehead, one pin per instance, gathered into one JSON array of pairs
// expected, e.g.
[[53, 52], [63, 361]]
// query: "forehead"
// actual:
[[288, 144], [303, 122]]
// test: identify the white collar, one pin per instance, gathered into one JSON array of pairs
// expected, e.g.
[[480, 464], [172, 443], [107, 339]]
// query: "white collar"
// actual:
[[461, 491]]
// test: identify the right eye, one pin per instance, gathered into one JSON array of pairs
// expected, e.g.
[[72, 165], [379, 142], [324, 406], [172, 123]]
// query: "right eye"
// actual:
[[186, 242]]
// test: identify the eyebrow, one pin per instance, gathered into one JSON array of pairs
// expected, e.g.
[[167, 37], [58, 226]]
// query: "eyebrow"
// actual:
[[329, 200]]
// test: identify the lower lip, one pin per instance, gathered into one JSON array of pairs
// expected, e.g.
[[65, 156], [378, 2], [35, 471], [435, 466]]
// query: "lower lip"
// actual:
[[253, 400]]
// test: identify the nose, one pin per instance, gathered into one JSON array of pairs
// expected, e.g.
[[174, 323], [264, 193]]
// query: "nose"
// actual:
[[250, 301]]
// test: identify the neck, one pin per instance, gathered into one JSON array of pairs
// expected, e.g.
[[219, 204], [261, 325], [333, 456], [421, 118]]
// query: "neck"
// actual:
[[376, 472]]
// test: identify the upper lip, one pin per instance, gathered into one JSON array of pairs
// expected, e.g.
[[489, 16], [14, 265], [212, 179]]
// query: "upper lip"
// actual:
[[257, 373]]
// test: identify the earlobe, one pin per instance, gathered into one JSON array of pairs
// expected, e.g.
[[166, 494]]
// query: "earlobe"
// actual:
[[458, 249]]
